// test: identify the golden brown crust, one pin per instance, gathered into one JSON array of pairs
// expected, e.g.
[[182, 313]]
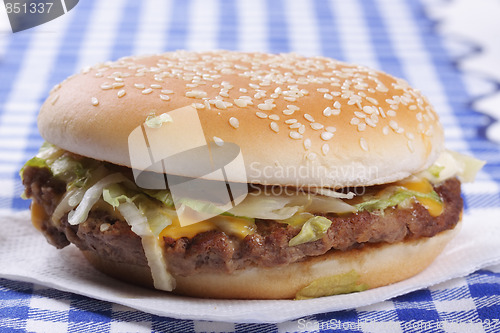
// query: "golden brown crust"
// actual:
[[377, 265], [375, 129]]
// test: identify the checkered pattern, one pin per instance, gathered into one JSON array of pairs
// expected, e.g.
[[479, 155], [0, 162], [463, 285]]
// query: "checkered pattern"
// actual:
[[470, 304], [392, 35]]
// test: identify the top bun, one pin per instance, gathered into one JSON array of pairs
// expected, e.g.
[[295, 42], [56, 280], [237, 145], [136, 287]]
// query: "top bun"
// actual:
[[298, 120]]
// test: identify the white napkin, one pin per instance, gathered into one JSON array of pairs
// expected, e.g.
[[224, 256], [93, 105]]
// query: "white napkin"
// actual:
[[26, 256]]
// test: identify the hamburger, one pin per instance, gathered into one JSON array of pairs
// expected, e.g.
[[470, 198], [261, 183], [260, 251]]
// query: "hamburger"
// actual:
[[347, 185]]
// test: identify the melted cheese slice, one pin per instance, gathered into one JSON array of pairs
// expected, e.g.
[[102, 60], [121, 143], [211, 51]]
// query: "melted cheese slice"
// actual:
[[423, 186], [239, 227]]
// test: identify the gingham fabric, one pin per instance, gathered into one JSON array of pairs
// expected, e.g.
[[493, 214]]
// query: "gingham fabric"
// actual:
[[395, 36]]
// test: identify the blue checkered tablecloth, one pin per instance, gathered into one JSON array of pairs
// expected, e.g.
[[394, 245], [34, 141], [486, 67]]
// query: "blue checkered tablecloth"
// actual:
[[395, 36]]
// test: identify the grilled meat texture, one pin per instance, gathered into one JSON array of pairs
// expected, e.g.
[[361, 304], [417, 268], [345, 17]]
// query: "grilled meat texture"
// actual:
[[215, 251]]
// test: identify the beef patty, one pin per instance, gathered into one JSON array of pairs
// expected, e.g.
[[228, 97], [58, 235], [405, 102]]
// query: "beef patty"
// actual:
[[215, 251]]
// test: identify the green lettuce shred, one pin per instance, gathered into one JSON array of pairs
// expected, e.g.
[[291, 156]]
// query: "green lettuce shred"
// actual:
[[35, 162], [398, 197], [332, 285], [157, 217], [313, 229], [154, 121]]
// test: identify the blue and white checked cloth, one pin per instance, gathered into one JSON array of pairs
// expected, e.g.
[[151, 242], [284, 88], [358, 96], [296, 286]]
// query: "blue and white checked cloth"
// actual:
[[395, 36]]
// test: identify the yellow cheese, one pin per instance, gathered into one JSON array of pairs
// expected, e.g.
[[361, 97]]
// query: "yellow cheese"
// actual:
[[434, 207], [38, 215], [240, 227]]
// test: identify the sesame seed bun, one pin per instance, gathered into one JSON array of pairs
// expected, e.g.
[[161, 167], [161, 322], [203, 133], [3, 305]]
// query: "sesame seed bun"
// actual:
[[336, 124], [375, 265]]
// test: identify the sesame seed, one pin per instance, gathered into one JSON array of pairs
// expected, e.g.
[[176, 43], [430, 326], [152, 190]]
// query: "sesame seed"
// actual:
[[54, 100], [311, 156], [326, 136], [325, 149], [327, 112], [147, 91], [220, 104], [166, 98], [382, 113], [290, 99], [224, 93], [363, 144], [118, 79], [243, 90], [196, 105], [385, 130], [234, 122], [288, 112], [309, 117], [307, 144], [106, 86], [117, 85], [95, 101], [420, 117], [196, 94], [166, 91], [261, 114], [274, 127], [155, 86], [302, 129], [274, 117], [207, 104], [331, 129], [355, 121], [265, 106], [369, 109], [240, 103], [295, 125], [316, 126], [293, 107], [359, 114], [336, 105], [361, 127], [322, 90], [370, 122], [253, 85], [290, 121], [410, 146], [218, 141], [372, 100], [139, 85], [394, 125], [121, 93], [295, 135], [391, 113], [328, 96]]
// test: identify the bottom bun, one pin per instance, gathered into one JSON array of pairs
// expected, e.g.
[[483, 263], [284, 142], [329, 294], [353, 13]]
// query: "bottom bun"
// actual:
[[375, 265]]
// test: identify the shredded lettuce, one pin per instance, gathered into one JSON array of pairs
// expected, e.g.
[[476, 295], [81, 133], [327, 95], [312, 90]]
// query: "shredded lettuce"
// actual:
[[400, 195], [153, 121], [313, 229], [162, 195], [451, 164], [35, 162], [157, 216], [139, 224], [332, 285], [91, 196]]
